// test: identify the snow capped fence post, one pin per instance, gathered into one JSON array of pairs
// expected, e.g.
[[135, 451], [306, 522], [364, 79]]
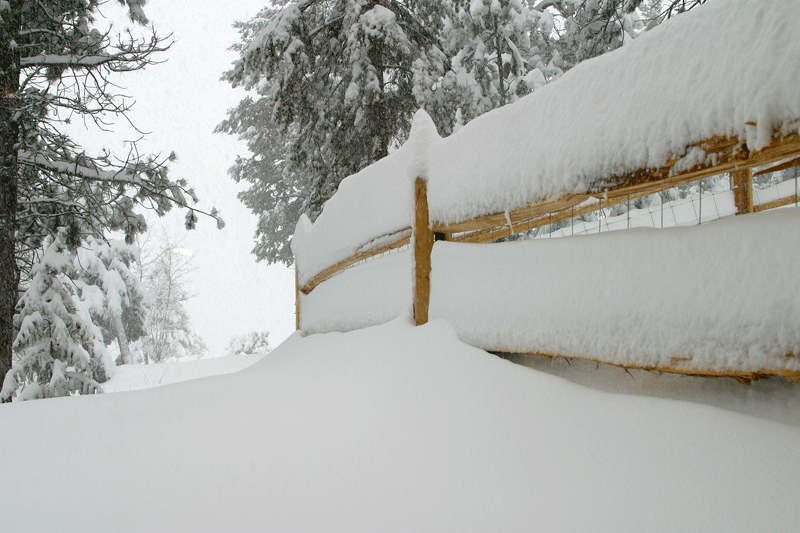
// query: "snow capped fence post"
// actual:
[[743, 190], [301, 229], [422, 137], [423, 246]]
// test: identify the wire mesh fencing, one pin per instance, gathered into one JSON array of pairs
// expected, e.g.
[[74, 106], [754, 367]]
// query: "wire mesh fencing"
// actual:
[[695, 203]]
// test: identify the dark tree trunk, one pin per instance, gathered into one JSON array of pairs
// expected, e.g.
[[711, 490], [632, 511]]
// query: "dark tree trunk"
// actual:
[[377, 113], [122, 340], [9, 136], [498, 41]]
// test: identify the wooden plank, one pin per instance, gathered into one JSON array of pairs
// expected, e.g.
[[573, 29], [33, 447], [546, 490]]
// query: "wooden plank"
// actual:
[[776, 203], [296, 299], [423, 246], [743, 190], [679, 368], [496, 220], [491, 234], [352, 260], [731, 156], [783, 166]]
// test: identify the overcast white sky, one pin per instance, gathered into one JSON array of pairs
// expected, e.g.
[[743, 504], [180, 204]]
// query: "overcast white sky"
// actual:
[[180, 102]]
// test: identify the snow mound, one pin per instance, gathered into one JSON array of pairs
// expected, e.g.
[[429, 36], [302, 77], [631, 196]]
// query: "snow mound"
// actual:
[[724, 296], [137, 377], [392, 428]]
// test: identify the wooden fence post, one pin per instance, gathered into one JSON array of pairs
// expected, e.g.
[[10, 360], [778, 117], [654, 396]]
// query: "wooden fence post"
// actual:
[[423, 245], [743, 190], [296, 296]]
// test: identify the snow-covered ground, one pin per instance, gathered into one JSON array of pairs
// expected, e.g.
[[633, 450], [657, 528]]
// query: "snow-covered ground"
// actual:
[[396, 428], [137, 377]]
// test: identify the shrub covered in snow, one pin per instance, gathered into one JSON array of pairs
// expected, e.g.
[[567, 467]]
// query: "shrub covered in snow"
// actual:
[[249, 343]]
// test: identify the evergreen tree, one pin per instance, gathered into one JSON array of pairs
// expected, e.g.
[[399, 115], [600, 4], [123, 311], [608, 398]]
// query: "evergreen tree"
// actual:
[[337, 82], [589, 28], [497, 51], [254, 342], [114, 295], [60, 350], [55, 64]]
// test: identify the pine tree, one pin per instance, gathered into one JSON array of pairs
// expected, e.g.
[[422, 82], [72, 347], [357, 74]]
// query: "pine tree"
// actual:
[[114, 295], [55, 64], [254, 342], [60, 350], [498, 51], [335, 82]]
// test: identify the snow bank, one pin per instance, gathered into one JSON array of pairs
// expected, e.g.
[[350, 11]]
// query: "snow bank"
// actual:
[[722, 296], [707, 72], [377, 201], [137, 377], [369, 294], [393, 428]]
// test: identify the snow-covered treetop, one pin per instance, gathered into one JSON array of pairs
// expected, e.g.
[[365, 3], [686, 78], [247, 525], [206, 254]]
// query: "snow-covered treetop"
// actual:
[[727, 68]]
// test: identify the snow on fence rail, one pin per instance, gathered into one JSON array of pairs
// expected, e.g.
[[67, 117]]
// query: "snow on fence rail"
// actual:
[[556, 155]]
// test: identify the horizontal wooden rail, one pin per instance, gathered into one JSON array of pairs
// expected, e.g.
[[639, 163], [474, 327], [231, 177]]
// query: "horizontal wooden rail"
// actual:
[[793, 199], [726, 155], [783, 166], [730, 154], [393, 241], [678, 368]]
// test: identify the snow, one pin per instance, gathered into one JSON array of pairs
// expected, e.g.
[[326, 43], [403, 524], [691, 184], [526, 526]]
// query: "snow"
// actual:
[[422, 140], [138, 377], [277, 30], [368, 294], [395, 428], [629, 109], [353, 218], [725, 295], [378, 17]]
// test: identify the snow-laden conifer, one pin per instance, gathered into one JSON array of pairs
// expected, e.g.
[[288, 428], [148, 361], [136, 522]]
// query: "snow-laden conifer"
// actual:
[[336, 83], [60, 63], [58, 349], [112, 293]]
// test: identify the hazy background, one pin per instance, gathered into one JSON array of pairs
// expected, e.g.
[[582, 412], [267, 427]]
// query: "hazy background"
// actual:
[[180, 102]]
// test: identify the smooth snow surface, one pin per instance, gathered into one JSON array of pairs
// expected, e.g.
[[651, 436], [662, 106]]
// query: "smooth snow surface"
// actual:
[[714, 70], [721, 296], [137, 377], [369, 294], [392, 428], [353, 218]]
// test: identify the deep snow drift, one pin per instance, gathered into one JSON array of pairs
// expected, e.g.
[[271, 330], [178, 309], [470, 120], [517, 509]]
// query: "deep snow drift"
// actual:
[[392, 428]]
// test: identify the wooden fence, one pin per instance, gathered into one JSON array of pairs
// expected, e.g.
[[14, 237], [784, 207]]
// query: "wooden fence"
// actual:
[[731, 156]]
